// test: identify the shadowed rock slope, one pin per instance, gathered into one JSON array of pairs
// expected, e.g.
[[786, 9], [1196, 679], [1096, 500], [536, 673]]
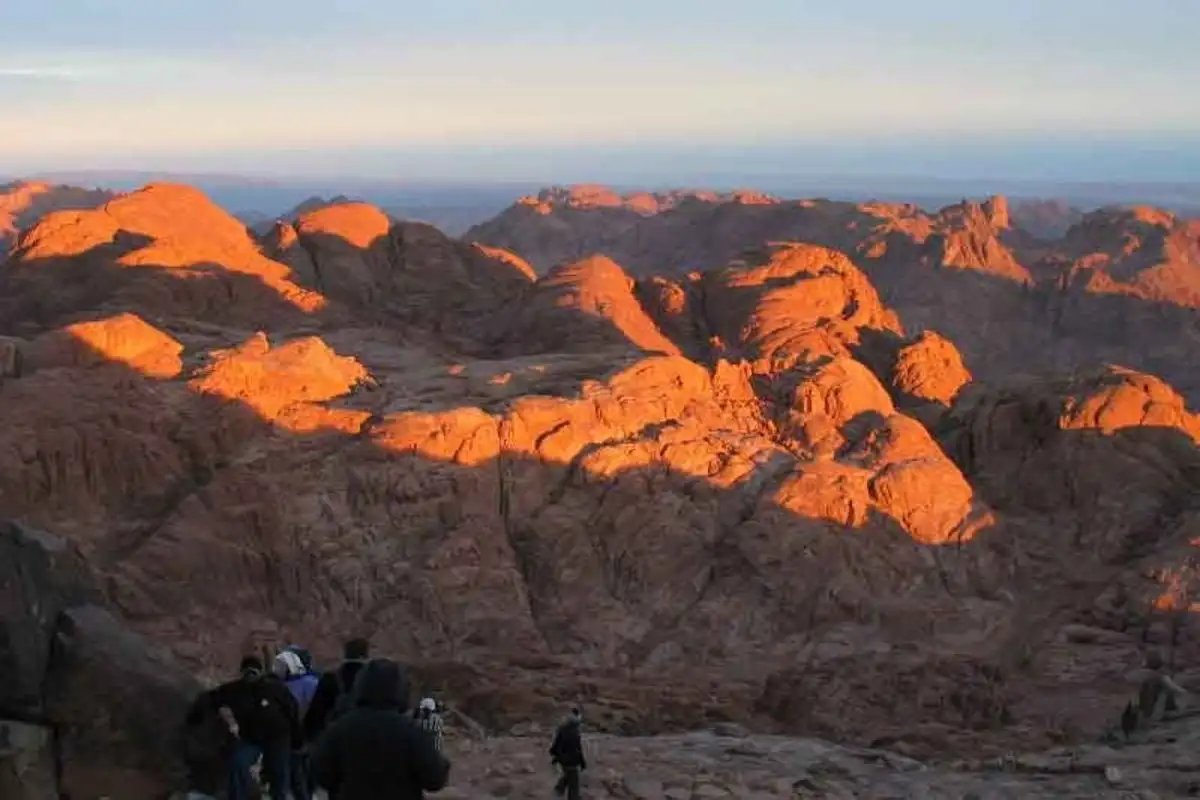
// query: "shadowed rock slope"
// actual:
[[743, 495]]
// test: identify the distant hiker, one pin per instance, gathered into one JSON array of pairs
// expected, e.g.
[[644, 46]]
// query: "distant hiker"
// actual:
[[567, 752], [1158, 694], [333, 695], [207, 745], [267, 724], [430, 721], [376, 750], [289, 668]]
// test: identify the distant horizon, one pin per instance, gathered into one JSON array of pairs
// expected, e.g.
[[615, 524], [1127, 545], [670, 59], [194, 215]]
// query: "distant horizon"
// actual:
[[655, 91]]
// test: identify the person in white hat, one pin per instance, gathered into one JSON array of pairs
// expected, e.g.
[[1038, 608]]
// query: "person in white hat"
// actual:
[[430, 720]]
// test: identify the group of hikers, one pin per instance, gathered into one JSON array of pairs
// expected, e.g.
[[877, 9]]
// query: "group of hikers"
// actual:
[[347, 733]]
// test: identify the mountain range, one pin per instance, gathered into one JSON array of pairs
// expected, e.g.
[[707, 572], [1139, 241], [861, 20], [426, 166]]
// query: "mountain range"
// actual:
[[926, 480]]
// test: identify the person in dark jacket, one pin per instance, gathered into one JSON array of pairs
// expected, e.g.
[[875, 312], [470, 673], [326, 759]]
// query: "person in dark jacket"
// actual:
[[333, 685], [567, 752], [267, 724], [207, 747], [376, 751]]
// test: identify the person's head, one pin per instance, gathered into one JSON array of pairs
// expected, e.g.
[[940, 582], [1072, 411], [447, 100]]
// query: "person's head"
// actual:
[[304, 654], [251, 667], [381, 683], [356, 650], [287, 665], [575, 715], [428, 706], [1154, 660]]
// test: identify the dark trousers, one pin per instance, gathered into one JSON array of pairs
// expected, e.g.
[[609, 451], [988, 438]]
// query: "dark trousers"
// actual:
[[301, 786], [276, 769], [568, 783]]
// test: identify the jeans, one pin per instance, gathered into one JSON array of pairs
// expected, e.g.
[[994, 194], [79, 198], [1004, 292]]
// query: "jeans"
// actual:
[[276, 769], [569, 783]]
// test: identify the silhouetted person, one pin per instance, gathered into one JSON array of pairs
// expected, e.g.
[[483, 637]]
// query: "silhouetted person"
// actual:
[[267, 724], [207, 747], [377, 751], [567, 752], [333, 691], [1158, 694]]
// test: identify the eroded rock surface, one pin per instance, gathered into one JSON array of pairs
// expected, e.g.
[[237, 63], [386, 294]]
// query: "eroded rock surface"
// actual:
[[744, 495]]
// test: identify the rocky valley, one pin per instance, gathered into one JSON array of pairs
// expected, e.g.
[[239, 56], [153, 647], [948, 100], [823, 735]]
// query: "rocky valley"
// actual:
[[922, 484]]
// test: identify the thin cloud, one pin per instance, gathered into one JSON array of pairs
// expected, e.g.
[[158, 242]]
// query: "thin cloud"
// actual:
[[49, 73]]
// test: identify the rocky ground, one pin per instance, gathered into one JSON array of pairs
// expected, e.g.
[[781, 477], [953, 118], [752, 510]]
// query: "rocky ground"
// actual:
[[732, 763], [767, 494]]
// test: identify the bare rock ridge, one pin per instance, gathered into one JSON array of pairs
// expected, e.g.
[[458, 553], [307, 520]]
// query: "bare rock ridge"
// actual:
[[744, 494], [25, 202], [1114, 286]]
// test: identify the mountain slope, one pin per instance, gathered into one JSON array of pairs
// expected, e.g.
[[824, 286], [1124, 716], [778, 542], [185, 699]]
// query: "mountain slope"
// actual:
[[745, 494]]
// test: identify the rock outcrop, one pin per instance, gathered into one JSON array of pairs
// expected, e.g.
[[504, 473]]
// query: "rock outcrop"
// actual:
[[743, 495], [1116, 286], [86, 709], [23, 203]]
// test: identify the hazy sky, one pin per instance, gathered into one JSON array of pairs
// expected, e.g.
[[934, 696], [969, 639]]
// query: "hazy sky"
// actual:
[[525, 88]]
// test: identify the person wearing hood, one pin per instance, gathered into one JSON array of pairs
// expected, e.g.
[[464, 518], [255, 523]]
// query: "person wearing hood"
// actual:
[[334, 688], [265, 721], [289, 668], [376, 751], [567, 752]]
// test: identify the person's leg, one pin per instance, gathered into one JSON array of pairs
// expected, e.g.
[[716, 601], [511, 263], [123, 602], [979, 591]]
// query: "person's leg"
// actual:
[[243, 757], [300, 787], [276, 768], [560, 785], [572, 777]]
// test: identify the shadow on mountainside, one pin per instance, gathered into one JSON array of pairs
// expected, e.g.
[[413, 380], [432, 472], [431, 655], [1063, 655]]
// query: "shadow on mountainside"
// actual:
[[661, 599], [632, 552]]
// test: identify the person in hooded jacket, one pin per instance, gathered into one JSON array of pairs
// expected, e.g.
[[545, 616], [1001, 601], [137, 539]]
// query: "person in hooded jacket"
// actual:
[[567, 752], [267, 725], [207, 746], [334, 685], [376, 751], [289, 668]]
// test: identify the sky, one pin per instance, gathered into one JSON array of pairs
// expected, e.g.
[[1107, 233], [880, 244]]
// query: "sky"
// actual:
[[534, 89]]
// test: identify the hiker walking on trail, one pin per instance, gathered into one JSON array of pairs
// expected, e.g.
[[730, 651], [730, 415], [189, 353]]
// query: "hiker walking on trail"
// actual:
[[1158, 694], [289, 667], [332, 696], [567, 752], [264, 718], [430, 721], [377, 751]]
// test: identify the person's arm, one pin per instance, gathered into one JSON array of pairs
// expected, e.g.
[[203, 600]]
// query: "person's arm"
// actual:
[[556, 746], [324, 762], [431, 768], [1172, 686]]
